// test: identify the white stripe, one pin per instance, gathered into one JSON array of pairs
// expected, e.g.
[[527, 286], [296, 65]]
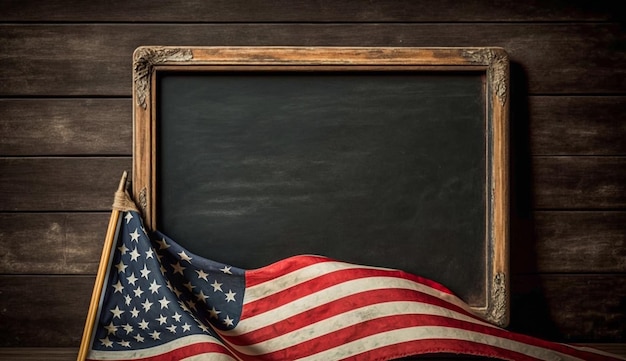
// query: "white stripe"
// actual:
[[324, 296], [209, 357], [434, 332], [350, 318], [153, 351], [308, 273], [296, 277], [596, 351]]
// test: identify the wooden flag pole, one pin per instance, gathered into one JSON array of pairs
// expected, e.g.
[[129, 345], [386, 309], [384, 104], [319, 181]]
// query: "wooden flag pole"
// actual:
[[101, 275]]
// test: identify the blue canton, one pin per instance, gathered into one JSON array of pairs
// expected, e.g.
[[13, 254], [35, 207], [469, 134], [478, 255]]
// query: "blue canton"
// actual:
[[157, 291]]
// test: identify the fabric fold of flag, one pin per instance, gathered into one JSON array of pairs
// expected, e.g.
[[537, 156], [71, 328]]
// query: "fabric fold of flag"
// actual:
[[162, 302]]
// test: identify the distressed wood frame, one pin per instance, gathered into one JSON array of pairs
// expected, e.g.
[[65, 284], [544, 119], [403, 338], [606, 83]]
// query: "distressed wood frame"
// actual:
[[493, 61]]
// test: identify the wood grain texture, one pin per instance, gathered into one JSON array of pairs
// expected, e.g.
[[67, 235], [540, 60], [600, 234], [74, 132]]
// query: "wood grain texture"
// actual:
[[569, 308], [571, 125], [579, 182], [562, 241], [58, 321], [556, 125], [85, 183], [87, 59], [55, 184], [576, 242], [311, 11], [51, 243], [65, 127]]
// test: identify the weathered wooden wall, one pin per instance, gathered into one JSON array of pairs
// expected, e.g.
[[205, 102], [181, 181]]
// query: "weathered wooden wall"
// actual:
[[66, 124]]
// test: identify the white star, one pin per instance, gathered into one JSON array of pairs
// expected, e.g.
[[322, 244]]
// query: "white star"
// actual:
[[106, 342], [134, 255], [228, 321], [123, 249], [154, 287], [177, 317], [214, 312], [230, 296], [132, 279], [177, 292], [134, 312], [145, 272], [172, 328], [138, 292], [117, 312], [162, 319], [134, 237], [186, 327], [146, 305], [118, 287], [149, 254], [128, 328], [121, 267], [217, 286], [138, 337], [164, 302], [111, 328], [128, 300], [201, 296], [203, 327], [124, 343], [191, 304], [226, 270], [128, 217], [163, 244], [202, 274], [184, 257], [178, 268], [189, 286], [155, 335], [143, 324]]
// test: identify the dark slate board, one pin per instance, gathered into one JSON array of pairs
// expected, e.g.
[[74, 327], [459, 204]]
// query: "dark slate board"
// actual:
[[380, 168]]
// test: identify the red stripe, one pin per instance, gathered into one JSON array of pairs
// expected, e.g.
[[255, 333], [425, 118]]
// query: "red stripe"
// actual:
[[434, 346], [180, 353], [340, 306], [390, 323], [288, 295], [281, 268]]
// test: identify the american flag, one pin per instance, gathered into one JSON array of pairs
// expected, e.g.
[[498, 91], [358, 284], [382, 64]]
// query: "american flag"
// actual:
[[161, 302]]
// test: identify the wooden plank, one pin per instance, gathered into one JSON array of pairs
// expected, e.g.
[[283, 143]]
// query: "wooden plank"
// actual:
[[579, 182], [571, 125], [570, 307], [86, 183], [70, 243], [317, 11], [56, 184], [576, 242], [567, 308], [87, 59], [62, 300], [51, 243], [65, 126], [555, 125]]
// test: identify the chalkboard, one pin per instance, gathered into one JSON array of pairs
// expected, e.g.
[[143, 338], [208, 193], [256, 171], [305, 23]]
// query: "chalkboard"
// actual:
[[392, 157]]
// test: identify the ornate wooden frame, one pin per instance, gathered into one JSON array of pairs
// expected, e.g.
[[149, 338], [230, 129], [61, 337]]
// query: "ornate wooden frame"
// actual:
[[493, 61]]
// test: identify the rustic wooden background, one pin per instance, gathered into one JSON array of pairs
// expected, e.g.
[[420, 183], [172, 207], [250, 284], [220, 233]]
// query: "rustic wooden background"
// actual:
[[66, 126]]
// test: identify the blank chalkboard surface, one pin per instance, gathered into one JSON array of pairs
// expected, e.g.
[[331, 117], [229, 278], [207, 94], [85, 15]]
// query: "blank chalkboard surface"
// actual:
[[382, 166]]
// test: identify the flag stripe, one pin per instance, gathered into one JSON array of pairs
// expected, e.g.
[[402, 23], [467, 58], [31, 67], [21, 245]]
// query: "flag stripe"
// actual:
[[174, 350], [442, 334], [251, 321], [408, 300]]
